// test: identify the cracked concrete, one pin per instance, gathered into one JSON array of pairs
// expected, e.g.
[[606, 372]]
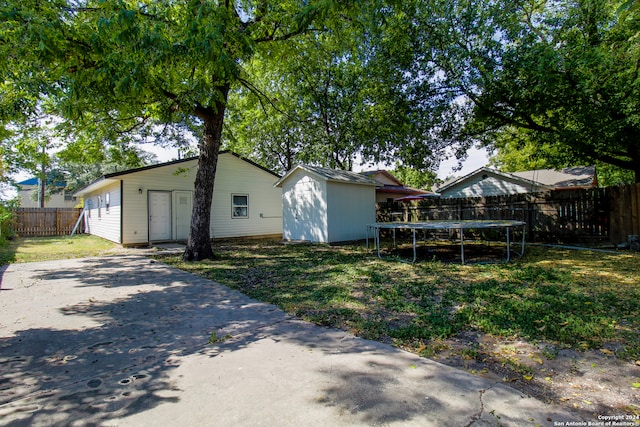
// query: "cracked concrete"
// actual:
[[125, 341], [477, 416]]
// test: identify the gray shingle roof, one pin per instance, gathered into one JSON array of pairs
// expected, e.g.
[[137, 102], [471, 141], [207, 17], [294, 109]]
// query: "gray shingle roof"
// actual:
[[331, 175], [582, 176]]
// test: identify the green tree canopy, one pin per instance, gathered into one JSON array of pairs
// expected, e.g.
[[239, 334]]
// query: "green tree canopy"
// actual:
[[415, 178], [558, 78], [514, 152], [341, 96]]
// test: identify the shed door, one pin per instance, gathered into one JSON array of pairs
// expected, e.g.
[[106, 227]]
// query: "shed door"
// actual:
[[159, 215]]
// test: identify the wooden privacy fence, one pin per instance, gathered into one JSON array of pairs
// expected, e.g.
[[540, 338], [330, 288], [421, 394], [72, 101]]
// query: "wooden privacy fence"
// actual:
[[624, 212], [31, 222], [582, 215]]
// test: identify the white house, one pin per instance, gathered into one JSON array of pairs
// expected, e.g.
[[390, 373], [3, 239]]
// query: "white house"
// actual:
[[28, 193], [154, 203], [486, 182], [326, 205]]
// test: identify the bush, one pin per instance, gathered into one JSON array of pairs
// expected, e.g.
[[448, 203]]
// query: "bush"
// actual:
[[6, 222]]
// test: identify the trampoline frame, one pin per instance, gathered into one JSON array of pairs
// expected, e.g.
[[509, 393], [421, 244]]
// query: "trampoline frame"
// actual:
[[460, 226]]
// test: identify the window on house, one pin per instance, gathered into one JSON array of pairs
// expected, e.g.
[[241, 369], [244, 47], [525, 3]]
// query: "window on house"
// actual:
[[240, 206], [107, 201], [99, 206]]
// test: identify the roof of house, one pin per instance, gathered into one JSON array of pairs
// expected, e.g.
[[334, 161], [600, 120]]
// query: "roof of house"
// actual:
[[98, 182], [454, 182], [328, 174], [384, 173], [35, 181], [383, 177], [581, 176], [399, 189]]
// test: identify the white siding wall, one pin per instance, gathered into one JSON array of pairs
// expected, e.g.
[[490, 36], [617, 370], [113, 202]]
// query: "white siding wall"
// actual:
[[382, 197], [305, 208], [56, 200], [235, 176], [489, 186], [180, 176], [98, 220], [351, 208]]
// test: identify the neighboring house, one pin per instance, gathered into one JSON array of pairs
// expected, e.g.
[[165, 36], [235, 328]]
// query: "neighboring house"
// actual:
[[326, 205], [486, 182], [28, 193], [389, 187], [154, 203]]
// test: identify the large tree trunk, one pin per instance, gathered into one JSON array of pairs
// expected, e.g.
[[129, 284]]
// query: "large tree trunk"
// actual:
[[199, 242]]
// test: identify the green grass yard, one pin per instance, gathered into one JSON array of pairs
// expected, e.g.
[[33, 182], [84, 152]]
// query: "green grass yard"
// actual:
[[31, 249], [571, 299]]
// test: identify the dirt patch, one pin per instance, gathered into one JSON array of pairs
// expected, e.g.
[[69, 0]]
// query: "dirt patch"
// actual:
[[590, 382]]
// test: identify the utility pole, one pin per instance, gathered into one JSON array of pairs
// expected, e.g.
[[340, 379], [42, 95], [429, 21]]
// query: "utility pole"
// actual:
[[42, 181]]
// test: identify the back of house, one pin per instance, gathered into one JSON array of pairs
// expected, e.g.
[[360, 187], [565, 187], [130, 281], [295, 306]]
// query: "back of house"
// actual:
[[154, 203]]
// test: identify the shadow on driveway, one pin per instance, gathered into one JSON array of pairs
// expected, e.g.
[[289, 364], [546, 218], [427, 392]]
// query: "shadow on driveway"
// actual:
[[130, 341]]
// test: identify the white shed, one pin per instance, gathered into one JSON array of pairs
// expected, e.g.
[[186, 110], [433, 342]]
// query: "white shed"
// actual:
[[326, 205], [154, 203]]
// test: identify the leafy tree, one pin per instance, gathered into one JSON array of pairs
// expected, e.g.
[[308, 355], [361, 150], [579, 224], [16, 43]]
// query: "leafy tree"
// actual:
[[44, 148], [79, 169], [516, 152], [562, 74], [30, 148], [415, 178], [6, 218], [345, 95], [120, 64]]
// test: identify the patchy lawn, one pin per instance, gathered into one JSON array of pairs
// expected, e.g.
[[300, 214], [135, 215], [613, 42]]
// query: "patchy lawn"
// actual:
[[31, 249], [559, 324]]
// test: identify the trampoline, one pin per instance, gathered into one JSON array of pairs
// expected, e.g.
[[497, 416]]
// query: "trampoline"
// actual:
[[460, 226]]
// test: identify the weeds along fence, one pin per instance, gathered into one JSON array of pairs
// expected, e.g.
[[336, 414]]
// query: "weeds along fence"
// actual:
[[31, 222], [598, 215]]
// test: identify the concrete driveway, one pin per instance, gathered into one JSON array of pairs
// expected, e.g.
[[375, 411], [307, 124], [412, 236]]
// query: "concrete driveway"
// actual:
[[126, 341]]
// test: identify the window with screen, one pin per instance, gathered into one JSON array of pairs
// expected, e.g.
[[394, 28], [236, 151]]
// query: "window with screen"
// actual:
[[240, 206]]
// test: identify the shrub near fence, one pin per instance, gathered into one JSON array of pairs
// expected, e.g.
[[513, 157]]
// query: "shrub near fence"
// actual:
[[30, 222], [567, 216]]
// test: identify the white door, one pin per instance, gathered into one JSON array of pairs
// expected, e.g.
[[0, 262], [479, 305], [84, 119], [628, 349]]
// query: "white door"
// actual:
[[183, 206], [159, 215]]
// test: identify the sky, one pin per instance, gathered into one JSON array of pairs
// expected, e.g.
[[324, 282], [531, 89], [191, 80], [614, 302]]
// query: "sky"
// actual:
[[478, 157]]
